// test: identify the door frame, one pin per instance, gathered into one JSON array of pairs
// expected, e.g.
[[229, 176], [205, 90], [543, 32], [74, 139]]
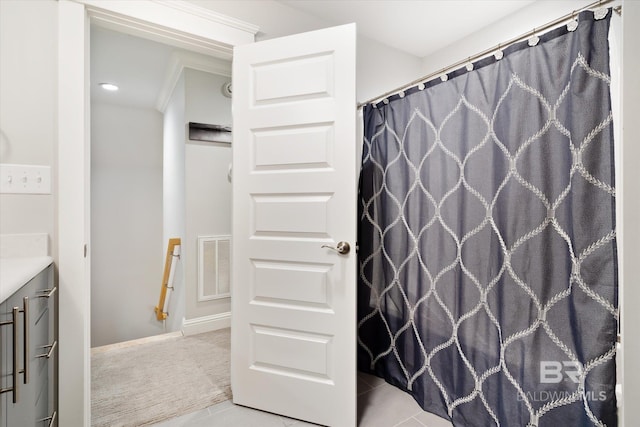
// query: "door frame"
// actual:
[[179, 24]]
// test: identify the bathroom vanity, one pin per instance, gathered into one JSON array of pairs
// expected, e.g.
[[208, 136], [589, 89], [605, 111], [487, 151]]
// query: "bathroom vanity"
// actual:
[[28, 356]]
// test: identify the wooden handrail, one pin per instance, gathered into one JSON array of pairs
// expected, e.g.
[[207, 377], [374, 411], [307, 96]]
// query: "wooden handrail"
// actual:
[[160, 313]]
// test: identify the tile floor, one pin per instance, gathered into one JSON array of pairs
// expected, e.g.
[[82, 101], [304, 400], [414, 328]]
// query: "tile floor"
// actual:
[[379, 405]]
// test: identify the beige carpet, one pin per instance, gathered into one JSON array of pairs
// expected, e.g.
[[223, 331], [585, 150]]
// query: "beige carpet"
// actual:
[[158, 379]]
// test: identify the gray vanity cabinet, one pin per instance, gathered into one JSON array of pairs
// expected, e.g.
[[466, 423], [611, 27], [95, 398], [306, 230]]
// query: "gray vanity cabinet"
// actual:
[[5, 360], [33, 348]]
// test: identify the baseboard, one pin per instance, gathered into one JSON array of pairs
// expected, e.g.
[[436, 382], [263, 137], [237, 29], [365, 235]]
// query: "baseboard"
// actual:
[[206, 323], [134, 342]]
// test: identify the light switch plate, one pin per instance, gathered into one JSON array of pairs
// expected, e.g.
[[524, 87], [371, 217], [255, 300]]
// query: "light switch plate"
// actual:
[[25, 179]]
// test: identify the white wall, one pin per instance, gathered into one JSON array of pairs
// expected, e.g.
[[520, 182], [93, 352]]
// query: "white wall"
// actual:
[[630, 296], [207, 190], [126, 222], [379, 68], [28, 101], [174, 201], [516, 24]]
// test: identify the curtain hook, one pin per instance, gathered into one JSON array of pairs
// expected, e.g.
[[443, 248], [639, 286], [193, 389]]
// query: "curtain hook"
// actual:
[[573, 23], [600, 13], [499, 53], [469, 64], [533, 40]]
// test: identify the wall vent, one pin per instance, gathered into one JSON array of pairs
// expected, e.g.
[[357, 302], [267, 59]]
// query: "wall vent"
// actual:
[[209, 133], [214, 267]]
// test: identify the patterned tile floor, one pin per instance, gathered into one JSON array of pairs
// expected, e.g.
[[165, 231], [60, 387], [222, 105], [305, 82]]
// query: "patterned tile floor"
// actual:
[[379, 405]]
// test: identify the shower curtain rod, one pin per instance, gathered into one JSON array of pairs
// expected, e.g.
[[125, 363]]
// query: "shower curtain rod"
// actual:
[[486, 52]]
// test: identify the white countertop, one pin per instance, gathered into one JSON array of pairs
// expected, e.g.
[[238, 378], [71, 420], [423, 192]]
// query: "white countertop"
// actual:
[[17, 271]]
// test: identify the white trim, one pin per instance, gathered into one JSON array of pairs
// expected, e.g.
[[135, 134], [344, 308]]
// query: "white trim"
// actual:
[[72, 212], [117, 23], [206, 323], [135, 342], [210, 15], [182, 60], [188, 26]]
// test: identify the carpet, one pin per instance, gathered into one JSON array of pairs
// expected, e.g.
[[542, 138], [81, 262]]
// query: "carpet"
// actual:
[[152, 381]]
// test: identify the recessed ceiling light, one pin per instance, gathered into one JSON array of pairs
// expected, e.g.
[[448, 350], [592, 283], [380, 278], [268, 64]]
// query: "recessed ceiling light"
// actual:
[[109, 86]]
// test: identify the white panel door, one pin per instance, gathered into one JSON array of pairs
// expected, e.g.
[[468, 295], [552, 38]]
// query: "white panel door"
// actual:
[[293, 325]]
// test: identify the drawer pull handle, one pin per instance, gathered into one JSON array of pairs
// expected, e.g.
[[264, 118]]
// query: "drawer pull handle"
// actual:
[[14, 323], [25, 331], [48, 354], [46, 293], [51, 418]]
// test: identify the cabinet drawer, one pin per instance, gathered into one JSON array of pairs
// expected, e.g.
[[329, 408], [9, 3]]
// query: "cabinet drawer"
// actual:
[[43, 407], [41, 342], [40, 294], [28, 346]]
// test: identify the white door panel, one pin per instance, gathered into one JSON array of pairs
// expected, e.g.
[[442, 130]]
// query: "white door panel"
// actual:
[[294, 172]]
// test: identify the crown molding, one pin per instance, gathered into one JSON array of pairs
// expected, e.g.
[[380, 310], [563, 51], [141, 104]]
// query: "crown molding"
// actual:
[[159, 34], [182, 60], [178, 23], [210, 15]]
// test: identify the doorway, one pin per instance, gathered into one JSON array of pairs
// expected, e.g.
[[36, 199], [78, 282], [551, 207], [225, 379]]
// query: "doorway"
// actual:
[[151, 181], [126, 185], [202, 31]]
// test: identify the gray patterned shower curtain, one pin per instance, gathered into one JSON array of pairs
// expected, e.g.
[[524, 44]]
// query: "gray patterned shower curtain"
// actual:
[[488, 283]]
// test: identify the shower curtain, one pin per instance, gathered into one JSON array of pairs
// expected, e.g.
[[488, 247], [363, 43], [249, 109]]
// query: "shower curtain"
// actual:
[[487, 251]]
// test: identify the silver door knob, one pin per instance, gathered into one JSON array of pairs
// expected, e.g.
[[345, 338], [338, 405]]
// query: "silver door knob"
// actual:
[[342, 248]]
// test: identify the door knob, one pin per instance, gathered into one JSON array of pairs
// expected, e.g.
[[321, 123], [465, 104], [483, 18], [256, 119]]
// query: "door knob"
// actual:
[[342, 248]]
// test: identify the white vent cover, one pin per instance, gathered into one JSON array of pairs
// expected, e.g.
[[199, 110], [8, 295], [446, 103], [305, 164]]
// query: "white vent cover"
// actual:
[[214, 267]]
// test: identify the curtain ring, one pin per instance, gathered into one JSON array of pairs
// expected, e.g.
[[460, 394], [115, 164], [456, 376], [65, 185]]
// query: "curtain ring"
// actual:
[[573, 22], [533, 40]]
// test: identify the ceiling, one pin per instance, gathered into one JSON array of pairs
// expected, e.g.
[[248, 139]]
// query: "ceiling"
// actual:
[[138, 66], [417, 27], [412, 26]]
